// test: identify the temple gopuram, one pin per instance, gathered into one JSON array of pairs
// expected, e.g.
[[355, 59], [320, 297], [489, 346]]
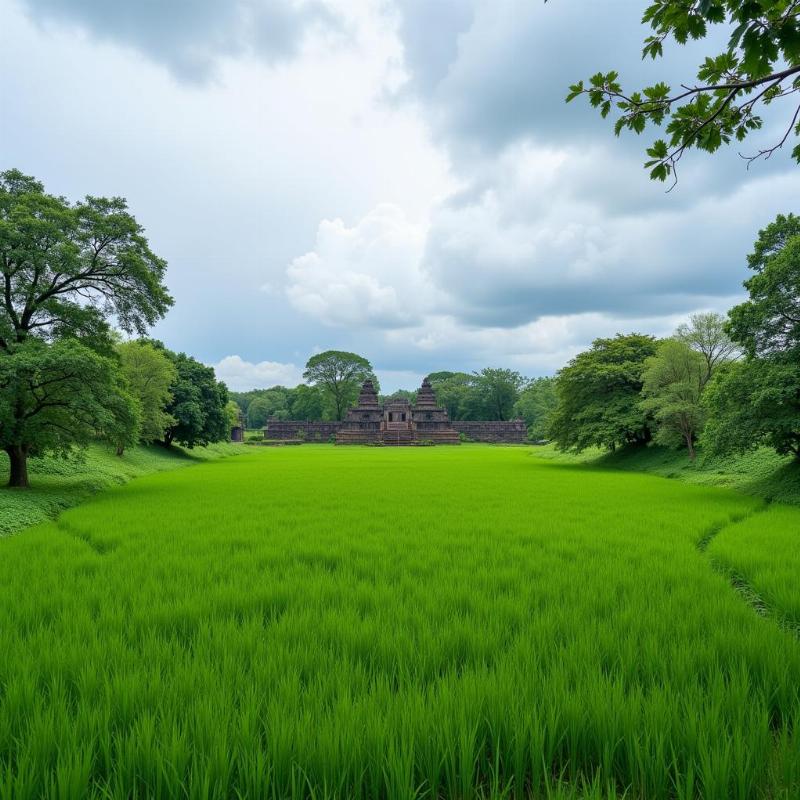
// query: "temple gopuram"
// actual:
[[397, 422]]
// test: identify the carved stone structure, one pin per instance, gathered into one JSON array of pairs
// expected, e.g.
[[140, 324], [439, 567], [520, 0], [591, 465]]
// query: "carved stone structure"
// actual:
[[511, 431], [300, 430], [363, 422], [397, 422]]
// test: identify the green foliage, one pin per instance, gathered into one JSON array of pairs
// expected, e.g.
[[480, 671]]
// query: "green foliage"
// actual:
[[233, 414], [599, 395], [536, 404], [493, 393], [400, 394], [758, 402], [672, 388], [65, 268], [707, 334], [760, 472], [452, 390], [768, 324], [302, 402], [148, 374], [753, 403], [123, 425], [486, 395], [339, 375], [56, 255], [578, 646], [306, 403], [268, 403], [54, 396], [760, 66], [63, 481], [198, 404]]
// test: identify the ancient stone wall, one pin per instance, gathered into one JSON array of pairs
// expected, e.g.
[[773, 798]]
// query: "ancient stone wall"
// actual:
[[286, 429], [511, 432]]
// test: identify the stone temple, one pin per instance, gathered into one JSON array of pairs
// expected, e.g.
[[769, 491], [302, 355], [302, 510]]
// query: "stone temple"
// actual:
[[397, 422]]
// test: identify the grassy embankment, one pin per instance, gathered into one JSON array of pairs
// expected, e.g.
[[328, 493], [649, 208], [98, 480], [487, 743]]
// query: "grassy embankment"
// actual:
[[761, 473], [58, 484], [466, 622]]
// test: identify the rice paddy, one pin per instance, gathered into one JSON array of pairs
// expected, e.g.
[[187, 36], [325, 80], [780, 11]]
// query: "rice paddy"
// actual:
[[471, 622]]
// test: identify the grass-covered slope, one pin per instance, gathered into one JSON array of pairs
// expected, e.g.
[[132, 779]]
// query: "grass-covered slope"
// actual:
[[396, 623], [58, 484], [762, 472]]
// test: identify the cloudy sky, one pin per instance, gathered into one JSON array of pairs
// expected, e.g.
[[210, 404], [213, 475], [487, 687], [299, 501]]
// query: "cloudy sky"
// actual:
[[401, 178]]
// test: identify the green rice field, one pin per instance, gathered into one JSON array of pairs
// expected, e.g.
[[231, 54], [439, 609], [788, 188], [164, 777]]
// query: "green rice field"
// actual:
[[470, 622]]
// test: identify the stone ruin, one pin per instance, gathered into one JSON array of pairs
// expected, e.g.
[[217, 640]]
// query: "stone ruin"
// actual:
[[397, 422]]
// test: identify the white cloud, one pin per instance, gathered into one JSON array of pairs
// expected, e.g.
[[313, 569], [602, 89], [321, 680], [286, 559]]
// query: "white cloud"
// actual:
[[367, 275], [469, 216], [240, 375]]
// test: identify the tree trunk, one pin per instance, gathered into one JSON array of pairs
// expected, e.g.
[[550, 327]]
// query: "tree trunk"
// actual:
[[690, 446], [18, 457]]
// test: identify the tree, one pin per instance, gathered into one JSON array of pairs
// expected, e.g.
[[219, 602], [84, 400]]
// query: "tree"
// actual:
[[752, 403], [339, 375], [452, 389], [306, 402], [494, 392], [64, 269], [267, 403], [198, 404], [124, 424], [258, 412], [599, 395], [758, 401], [672, 388], [708, 335], [148, 374], [760, 66], [768, 324], [233, 414], [55, 396], [399, 394], [536, 404]]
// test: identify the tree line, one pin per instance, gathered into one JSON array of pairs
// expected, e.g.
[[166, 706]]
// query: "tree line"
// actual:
[[335, 379], [67, 271], [730, 383]]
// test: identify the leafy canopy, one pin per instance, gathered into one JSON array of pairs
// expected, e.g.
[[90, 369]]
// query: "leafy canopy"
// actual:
[[536, 404], [54, 396], [493, 393], [67, 267], [599, 395], [672, 388], [759, 67], [339, 375], [198, 404], [768, 324], [758, 401], [452, 392], [148, 374], [306, 402], [753, 403], [707, 334]]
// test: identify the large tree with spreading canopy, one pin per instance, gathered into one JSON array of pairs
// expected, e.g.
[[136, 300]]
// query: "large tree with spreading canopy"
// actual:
[[66, 270]]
